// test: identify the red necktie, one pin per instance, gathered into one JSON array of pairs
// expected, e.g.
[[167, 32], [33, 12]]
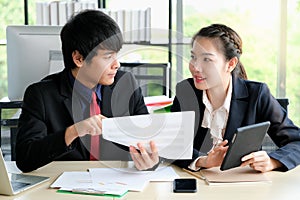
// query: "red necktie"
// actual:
[[94, 110]]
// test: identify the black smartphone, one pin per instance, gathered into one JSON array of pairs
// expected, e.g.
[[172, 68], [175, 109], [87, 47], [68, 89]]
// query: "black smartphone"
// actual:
[[185, 185]]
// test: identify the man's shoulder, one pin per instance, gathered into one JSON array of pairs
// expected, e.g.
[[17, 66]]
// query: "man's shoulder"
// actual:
[[55, 76], [49, 81]]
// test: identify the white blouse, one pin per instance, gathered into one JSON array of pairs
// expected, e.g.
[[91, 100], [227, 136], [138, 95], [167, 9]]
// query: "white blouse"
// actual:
[[216, 120]]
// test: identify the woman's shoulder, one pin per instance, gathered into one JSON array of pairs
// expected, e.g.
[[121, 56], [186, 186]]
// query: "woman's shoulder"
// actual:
[[251, 84], [186, 88], [121, 73], [188, 81], [256, 85]]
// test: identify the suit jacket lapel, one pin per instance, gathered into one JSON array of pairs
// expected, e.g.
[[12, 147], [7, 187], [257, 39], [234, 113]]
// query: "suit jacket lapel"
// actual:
[[116, 97], [238, 107], [106, 101]]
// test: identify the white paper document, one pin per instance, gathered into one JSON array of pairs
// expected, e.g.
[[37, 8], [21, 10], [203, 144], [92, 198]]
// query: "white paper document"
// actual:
[[173, 133], [131, 178], [82, 182], [73, 180], [112, 180]]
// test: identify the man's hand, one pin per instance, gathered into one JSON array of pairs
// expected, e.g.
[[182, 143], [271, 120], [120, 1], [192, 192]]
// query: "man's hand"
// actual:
[[144, 160], [89, 126]]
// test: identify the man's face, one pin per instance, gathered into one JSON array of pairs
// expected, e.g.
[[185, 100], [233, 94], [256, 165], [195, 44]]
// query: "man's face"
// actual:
[[101, 69]]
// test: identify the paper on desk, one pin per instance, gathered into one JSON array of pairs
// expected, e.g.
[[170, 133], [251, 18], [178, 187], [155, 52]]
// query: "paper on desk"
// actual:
[[173, 133], [82, 182], [133, 179], [72, 180]]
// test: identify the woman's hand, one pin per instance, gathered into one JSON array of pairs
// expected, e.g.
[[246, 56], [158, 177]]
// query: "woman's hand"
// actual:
[[144, 160], [215, 157], [260, 161]]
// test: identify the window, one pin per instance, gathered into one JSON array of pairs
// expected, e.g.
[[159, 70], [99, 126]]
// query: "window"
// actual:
[[258, 23], [292, 59]]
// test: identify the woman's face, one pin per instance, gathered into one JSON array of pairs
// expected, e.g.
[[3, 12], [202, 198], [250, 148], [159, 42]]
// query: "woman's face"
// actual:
[[208, 65]]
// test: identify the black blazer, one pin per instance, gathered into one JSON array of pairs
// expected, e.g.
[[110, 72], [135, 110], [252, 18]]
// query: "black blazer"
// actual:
[[251, 102], [50, 106]]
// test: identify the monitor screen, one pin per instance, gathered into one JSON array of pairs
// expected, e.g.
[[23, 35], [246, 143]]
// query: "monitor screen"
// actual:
[[32, 53]]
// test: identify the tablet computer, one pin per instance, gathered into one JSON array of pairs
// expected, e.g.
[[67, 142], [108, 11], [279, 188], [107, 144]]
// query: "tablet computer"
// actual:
[[247, 139]]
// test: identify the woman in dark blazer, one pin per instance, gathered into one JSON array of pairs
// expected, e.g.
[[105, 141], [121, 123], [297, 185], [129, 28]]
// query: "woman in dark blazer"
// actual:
[[224, 100], [56, 121]]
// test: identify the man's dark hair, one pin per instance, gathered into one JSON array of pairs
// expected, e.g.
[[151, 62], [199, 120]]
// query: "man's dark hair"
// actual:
[[88, 31]]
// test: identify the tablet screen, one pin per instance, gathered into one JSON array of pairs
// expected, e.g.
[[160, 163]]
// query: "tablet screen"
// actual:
[[247, 139]]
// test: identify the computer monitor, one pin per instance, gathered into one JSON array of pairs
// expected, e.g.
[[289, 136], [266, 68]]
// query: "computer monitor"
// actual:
[[32, 53]]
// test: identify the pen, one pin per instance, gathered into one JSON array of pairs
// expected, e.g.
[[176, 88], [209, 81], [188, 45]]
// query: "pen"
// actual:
[[196, 174]]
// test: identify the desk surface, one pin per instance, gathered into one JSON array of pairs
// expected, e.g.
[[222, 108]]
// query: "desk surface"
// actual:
[[285, 185]]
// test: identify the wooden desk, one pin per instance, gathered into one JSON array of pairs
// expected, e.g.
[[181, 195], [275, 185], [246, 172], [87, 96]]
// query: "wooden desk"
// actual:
[[285, 185]]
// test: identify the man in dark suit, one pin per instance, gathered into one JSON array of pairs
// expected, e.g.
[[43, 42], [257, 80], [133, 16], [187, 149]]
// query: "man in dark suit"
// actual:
[[56, 121]]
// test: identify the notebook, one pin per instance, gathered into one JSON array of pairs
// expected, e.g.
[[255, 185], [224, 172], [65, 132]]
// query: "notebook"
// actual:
[[12, 183], [239, 175]]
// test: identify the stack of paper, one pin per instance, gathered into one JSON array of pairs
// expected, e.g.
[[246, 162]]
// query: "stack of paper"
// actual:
[[131, 178], [111, 181], [82, 182]]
